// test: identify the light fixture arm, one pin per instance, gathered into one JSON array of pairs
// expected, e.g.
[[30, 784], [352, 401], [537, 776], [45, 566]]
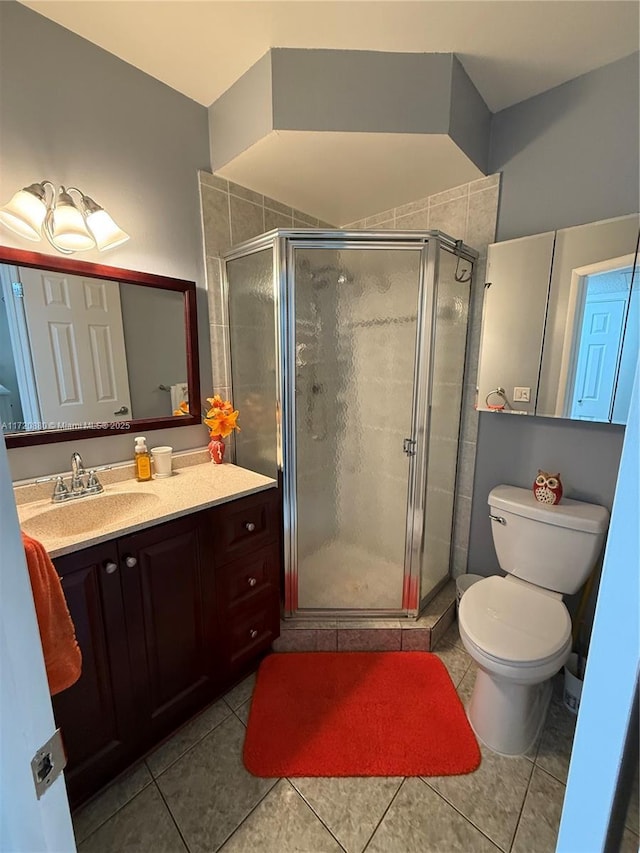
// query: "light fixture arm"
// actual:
[[48, 218]]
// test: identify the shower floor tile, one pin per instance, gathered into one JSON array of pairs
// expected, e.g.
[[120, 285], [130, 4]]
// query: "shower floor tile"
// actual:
[[344, 576]]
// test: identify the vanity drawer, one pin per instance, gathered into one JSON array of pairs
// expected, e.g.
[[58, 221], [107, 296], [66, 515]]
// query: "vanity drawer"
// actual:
[[244, 581], [246, 524], [252, 631]]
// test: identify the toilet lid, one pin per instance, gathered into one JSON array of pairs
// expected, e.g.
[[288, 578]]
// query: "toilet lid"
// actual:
[[513, 622]]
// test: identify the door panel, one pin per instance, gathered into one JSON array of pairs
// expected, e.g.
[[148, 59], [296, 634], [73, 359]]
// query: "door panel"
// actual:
[[171, 645], [356, 316], [600, 344], [96, 713], [77, 346]]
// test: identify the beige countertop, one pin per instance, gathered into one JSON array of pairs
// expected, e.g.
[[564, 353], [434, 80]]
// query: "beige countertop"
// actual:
[[126, 505]]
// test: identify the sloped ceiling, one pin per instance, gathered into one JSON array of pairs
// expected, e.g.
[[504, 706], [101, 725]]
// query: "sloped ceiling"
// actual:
[[510, 49]]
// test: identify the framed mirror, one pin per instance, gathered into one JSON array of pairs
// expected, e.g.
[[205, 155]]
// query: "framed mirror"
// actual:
[[561, 320], [88, 350]]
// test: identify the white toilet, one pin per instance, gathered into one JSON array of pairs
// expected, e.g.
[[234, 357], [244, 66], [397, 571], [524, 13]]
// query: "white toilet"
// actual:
[[516, 628]]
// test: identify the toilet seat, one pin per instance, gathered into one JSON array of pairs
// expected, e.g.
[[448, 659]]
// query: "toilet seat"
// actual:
[[514, 623]]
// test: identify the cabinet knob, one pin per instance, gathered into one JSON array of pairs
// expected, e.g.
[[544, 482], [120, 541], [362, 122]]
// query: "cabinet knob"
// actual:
[[250, 526], [130, 562], [253, 633], [252, 581], [110, 567]]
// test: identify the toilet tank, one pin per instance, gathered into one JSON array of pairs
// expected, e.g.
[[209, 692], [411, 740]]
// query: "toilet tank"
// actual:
[[553, 547]]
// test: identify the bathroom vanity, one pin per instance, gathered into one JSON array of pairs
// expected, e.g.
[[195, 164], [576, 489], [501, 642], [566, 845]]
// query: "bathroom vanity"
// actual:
[[172, 605]]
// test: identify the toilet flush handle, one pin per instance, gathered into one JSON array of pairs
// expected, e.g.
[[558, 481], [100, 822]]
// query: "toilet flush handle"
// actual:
[[498, 518]]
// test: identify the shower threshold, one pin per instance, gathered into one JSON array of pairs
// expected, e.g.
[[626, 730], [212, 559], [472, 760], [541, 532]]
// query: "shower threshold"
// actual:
[[315, 633]]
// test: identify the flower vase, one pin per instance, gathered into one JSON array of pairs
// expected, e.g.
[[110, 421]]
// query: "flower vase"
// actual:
[[216, 449]]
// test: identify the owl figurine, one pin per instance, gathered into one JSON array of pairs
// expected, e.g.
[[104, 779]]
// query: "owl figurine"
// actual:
[[547, 488]]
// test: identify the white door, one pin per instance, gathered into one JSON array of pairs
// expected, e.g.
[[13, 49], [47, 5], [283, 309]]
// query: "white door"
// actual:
[[77, 347], [600, 341], [27, 824]]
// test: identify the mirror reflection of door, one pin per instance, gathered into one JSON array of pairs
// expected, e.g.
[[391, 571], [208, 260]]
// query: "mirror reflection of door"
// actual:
[[77, 347], [599, 314]]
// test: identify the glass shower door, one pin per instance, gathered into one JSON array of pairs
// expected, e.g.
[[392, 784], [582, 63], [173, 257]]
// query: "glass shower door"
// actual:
[[355, 313]]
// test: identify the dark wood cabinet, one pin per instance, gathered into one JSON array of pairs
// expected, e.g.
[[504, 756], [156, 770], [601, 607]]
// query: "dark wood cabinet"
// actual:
[[167, 619], [96, 713], [248, 607], [168, 596]]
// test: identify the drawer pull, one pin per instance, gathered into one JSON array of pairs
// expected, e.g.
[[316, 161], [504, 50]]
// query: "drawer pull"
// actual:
[[252, 581], [253, 633], [110, 567], [130, 562], [250, 526]]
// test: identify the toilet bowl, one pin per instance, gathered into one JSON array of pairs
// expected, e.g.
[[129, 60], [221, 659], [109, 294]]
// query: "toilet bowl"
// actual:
[[519, 638], [517, 628]]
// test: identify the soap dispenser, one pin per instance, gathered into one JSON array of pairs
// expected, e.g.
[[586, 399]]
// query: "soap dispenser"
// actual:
[[142, 460]]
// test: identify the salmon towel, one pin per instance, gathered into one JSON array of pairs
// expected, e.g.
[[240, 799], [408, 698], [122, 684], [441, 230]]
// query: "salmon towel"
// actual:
[[62, 656]]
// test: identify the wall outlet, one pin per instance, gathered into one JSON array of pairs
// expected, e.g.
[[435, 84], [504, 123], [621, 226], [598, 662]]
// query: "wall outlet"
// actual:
[[521, 395]]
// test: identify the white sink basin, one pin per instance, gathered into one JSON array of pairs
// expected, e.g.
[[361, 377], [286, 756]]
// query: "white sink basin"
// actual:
[[84, 515]]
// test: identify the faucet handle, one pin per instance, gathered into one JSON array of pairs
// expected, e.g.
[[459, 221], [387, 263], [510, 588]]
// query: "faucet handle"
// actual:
[[60, 491], [93, 484]]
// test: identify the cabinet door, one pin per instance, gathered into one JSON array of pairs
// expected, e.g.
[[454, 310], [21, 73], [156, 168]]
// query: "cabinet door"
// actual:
[[96, 713], [170, 613]]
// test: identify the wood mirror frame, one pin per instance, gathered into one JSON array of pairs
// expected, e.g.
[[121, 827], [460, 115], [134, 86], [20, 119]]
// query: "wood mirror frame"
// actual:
[[22, 258]]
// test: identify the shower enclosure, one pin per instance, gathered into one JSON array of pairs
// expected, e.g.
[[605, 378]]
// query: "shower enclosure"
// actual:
[[347, 359]]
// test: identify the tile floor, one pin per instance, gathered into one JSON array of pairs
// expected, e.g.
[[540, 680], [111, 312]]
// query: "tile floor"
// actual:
[[193, 794]]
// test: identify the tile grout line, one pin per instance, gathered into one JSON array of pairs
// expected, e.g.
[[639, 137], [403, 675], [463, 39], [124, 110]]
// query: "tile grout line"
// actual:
[[175, 822], [462, 814], [119, 809], [524, 800], [188, 749], [248, 814], [384, 814], [311, 808]]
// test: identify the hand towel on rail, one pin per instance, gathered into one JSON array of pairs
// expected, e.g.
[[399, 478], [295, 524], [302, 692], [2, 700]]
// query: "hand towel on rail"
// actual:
[[62, 656]]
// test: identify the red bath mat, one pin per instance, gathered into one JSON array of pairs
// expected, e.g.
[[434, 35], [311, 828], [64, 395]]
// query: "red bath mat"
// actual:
[[357, 714]]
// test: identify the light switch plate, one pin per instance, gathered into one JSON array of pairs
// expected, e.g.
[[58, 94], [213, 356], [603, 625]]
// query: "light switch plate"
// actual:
[[521, 394]]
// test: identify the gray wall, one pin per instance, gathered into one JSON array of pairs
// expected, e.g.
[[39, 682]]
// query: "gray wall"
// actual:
[[350, 91], [361, 90], [133, 144], [567, 157], [156, 345], [243, 114]]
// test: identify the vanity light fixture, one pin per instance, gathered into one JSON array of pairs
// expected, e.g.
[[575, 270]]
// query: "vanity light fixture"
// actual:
[[70, 220]]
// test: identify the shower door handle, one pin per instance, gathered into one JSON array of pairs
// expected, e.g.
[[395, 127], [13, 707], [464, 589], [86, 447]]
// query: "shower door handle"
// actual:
[[409, 447]]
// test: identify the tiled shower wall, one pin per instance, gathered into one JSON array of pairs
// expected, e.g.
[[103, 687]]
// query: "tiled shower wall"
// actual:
[[468, 212], [231, 214]]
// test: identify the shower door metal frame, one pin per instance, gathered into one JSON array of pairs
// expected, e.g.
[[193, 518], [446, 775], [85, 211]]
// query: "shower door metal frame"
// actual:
[[283, 243], [380, 241]]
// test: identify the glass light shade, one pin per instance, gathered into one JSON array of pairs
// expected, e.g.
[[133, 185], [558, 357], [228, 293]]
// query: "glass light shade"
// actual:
[[24, 215], [68, 228], [107, 234]]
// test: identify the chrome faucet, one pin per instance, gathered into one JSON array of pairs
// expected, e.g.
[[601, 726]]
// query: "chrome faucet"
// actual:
[[81, 484], [77, 473]]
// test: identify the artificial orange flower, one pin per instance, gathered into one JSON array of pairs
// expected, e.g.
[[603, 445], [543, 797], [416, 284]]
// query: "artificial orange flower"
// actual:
[[217, 402], [222, 422], [220, 418]]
